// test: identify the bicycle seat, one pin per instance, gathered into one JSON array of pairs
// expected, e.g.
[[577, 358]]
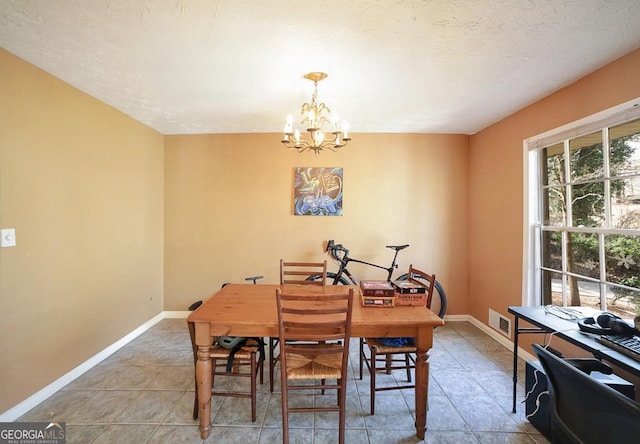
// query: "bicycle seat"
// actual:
[[397, 247]]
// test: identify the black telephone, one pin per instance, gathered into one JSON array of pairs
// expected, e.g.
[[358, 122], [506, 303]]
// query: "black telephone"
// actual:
[[607, 324]]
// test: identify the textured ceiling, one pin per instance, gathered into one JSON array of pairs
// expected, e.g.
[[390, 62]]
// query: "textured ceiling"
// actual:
[[207, 66]]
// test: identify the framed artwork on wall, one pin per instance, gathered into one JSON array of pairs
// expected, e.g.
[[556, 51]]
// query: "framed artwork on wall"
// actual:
[[317, 191]]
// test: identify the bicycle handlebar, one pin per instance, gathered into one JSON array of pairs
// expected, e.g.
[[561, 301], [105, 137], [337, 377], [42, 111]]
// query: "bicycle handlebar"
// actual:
[[333, 249], [330, 244]]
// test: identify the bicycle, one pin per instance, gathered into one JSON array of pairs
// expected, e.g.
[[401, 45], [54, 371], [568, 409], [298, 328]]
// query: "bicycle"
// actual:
[[340, 256]]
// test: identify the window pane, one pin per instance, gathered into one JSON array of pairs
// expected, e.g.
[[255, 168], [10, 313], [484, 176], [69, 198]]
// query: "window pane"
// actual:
[[555, 208], [551, 288], [552, 250], [625, 162], [623, 302], [625, 151], [583, 293], [554, 156], [583, 255], [625, 210], [623, 260], [588, 204], [586, 157]]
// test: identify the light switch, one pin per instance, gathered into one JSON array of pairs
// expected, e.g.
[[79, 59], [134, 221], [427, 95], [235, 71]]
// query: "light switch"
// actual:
[[8, 237]]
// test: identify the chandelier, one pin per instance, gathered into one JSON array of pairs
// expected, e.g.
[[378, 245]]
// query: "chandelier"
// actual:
[[322, 133]]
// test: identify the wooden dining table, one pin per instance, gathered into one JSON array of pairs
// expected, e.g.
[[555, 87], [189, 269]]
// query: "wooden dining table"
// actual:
[[250, 310]]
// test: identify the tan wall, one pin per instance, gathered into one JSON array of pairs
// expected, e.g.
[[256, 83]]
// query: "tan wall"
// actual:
[[82, 184], [496, 180], [228, 201]]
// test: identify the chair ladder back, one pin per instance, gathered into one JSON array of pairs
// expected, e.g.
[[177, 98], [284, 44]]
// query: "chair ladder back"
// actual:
[[298, 272], [314, 317], [425, 279]]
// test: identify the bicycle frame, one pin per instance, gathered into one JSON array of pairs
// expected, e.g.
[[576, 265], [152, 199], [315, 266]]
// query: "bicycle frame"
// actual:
[[343, 276], [334, 250]]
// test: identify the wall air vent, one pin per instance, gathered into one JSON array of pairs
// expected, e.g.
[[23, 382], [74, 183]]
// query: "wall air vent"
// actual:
[[500, 323]]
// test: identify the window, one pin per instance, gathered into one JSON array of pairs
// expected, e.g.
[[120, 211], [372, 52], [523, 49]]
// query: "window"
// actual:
[[584, 214]]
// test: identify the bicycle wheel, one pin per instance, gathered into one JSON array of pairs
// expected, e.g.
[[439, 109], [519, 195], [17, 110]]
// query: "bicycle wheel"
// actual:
[[439, 298], [331, 278]]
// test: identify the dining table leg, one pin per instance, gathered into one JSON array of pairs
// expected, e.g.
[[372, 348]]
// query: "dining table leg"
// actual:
[[204, 383], [423, 343]]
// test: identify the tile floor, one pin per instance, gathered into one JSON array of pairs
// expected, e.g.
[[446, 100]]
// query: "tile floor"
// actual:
[[144, 394]]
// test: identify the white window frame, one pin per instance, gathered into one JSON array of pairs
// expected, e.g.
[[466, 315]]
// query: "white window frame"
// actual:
[[531, 147]]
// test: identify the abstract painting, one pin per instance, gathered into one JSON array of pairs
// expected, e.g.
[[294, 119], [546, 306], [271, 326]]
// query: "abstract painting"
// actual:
[[317, 191]]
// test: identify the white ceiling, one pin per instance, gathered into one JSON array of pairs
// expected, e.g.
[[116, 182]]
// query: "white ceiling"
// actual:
[[236, 66]]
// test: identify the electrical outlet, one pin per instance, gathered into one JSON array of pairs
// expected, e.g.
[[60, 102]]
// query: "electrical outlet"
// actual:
[[8, 237]]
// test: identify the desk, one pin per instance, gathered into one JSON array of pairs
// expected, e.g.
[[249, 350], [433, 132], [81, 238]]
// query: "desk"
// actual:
[[567, 330], [250, 310]]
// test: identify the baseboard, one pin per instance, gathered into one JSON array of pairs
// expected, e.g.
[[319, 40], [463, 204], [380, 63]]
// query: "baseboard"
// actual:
[[501, 339], [20, 409], [175, 314]]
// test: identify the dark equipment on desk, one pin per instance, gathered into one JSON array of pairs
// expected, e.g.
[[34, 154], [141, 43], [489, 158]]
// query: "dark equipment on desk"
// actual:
[[583, 409], [607, 324], [628, 346]]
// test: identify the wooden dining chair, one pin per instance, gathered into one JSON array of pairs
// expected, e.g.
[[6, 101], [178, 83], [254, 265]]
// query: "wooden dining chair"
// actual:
[[295, 273], [314, 333], [386, 358], [300, 272], [245, 361]]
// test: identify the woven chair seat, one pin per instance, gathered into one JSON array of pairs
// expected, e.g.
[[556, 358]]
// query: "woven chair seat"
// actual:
[[384, 349], [320, 366], [223, 353]]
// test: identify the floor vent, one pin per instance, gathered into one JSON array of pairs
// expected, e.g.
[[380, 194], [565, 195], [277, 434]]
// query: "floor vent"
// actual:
[[500, 323]]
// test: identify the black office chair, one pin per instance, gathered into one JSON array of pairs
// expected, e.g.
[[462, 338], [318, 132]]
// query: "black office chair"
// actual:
[[584, 410]]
